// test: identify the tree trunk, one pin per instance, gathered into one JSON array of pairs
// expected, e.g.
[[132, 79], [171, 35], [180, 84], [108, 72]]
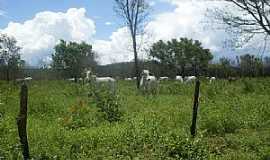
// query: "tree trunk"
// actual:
[[183, 71], [137, 70], [8, 79]]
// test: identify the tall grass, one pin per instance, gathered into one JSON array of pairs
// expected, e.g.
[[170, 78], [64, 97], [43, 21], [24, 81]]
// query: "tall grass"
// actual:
[[65, 122]]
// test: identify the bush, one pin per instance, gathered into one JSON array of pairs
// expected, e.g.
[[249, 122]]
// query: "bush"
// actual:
[[220, 123], [107, 104], [78, 116], [248, 86], [187, 148]]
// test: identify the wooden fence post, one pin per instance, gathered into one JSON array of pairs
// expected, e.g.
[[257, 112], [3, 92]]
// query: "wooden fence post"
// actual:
[[195, 108], [22, 121]]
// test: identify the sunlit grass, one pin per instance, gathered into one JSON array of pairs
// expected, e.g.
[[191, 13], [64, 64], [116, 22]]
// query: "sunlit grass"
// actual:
[[64, 123]]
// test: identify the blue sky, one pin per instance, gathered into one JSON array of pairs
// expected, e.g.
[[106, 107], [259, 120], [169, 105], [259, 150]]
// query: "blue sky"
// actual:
[[39, 24], [101, 11]]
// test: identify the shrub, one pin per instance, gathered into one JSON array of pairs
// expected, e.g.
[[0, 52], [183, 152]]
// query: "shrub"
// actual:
[[220, 123], [187, 148], [248, 86], [107, 104], [78, 116]]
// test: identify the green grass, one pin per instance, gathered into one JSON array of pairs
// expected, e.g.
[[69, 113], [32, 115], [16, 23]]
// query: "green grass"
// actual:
[[64, 123]]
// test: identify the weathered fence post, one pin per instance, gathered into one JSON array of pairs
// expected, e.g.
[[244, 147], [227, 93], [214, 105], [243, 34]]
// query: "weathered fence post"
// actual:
[[195, 108], [22, 121]]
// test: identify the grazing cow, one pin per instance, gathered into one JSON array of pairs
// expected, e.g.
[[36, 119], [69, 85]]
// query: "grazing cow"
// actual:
[[28, 78], [179, 78], [104, 80], [148, 82], [163, 78], [232, 79], [88, 76], [24, 79], [128, 79], [212, 79], [71, 79], [190, 79]]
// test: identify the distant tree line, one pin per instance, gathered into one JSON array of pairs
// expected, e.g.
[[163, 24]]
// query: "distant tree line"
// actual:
[[243, 66], [10, 58], [166, 58]]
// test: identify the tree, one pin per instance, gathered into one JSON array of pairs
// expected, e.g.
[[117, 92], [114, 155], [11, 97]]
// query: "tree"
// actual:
[[73, 57], [225, 64], [251, 18], [9, 55], [134, 13], [181, 54], [251, 65]]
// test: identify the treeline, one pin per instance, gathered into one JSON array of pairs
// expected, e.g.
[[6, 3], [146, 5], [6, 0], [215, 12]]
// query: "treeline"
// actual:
[[182, 56], [242, 66]]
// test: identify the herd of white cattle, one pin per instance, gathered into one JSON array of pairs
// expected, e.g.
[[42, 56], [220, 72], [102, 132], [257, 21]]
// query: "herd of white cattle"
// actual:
[[147, 80], [145, 76]]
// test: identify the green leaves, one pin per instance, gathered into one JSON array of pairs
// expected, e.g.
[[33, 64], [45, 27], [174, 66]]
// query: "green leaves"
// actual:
[[74, 57], [181, 53]]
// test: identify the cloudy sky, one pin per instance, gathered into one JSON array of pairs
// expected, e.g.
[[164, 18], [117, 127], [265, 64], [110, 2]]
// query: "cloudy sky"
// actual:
[[39, 24]]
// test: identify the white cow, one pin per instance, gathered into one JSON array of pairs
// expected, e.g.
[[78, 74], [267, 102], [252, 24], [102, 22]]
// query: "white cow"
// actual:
[[88, 76], [190, 79], [28, 78], [179, 78], [24, 79], [212, 79], [104, 80], [71, 79], [163, 78], [128, 79], [148, 82]]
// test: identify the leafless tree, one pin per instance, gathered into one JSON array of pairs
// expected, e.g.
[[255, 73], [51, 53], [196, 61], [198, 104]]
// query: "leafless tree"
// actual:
[[134, 14], [255, 18], [248, 18]]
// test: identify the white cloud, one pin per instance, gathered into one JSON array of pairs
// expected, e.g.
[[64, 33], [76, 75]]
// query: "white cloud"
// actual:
[[186, 20], [108, 23], [2, 13], [117, 49], [38, 36], [152, 3]]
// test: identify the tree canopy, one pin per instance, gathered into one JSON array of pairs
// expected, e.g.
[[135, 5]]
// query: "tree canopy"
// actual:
[[73, 57], [10, 57], [181, 54]]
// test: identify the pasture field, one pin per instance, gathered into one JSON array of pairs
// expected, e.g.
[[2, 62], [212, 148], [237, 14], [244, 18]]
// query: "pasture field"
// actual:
[[64, 122]]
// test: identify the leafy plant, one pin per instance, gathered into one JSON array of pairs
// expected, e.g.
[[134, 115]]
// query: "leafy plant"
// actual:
[[78, 116], [248, 86], [108, 104]]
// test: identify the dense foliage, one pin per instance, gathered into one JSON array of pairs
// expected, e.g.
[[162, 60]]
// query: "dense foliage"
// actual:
[[73, 57], [10, 58], [65, 123], [179, 54]]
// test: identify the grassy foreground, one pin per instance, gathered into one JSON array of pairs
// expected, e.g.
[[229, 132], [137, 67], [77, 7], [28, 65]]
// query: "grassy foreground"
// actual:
[[64, 122]]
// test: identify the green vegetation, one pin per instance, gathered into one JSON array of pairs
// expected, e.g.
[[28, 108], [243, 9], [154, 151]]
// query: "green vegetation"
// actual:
[[65, 122]]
